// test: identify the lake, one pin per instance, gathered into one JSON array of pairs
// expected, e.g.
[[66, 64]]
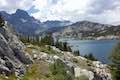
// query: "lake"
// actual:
[[101, 49]]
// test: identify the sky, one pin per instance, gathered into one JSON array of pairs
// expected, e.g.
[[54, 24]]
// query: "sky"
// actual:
[[102, 11]]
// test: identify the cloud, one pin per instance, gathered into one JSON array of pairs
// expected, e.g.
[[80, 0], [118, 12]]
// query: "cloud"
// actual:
[[10, 6], [112, 16], [62, 9], [103, 11]]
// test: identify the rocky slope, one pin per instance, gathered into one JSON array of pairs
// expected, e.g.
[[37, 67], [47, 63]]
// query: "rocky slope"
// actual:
[[76, 65], [12, 56], [87, 29]]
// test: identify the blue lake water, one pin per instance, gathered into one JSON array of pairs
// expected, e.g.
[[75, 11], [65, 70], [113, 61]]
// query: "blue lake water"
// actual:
[[101, 49]]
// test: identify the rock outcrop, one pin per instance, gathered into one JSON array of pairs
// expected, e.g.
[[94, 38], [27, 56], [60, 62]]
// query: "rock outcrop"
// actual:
[[96, 70], [12, 56]]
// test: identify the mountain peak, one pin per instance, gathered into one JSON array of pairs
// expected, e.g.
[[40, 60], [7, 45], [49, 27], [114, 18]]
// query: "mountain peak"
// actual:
[[21, 12], [87, 23], [3, 12], [22, 22]]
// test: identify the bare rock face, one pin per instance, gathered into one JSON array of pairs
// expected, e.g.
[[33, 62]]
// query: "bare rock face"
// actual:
[[12, 56], [21, 56]]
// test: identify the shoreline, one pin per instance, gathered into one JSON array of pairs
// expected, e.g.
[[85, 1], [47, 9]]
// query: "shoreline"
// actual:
[[85, 39], [99, 48]]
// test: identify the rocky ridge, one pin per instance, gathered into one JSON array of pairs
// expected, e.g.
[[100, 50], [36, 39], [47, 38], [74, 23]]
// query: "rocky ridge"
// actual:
[[90, 30], [12, 56]]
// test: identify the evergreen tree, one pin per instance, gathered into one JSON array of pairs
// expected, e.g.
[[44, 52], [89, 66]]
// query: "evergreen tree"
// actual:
[[115, 58], [2, 22], [90, 57], [65, 47], [47, 40], [77, 53]]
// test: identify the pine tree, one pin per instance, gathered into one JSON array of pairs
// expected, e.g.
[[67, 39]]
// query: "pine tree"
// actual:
[[2, 22], [115, 58], [77, 53], [65, 48], [90, 57]]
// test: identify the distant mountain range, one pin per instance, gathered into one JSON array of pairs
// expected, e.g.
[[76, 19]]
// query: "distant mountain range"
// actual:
[[87, 26], [51, 24], [22, 22], [87, 29], [54, 26], [28, 25]]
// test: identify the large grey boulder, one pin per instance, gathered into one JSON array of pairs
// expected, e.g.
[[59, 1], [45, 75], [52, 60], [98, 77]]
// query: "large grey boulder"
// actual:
[[21, 56]]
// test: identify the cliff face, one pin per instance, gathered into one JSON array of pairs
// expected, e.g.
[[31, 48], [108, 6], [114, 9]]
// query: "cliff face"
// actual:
[[12, 56]]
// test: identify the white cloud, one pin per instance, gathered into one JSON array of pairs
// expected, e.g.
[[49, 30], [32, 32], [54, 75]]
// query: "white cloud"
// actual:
[[63, 9], [112, 16], [104, 11], [41, 4], [10, 6]]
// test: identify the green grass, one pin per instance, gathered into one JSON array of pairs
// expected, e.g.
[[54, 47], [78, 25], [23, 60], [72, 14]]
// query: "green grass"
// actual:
[[82, 78], [59, 72], [11, 77], [43, 71], [38, 71], [47, 50]]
